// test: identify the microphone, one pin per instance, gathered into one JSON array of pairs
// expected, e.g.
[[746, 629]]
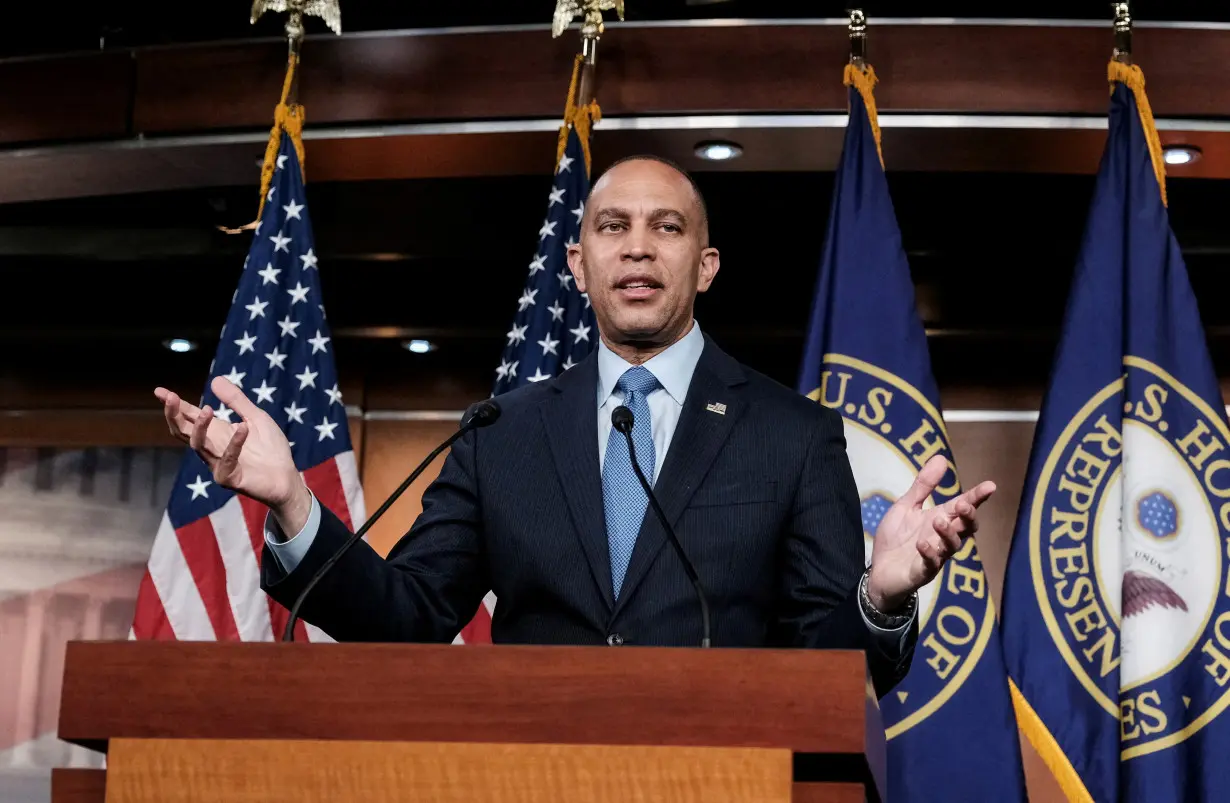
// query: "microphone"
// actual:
[[479, 414], [622, 420]]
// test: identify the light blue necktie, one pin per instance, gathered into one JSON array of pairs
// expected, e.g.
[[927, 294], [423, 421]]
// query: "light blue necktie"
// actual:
[[622, 495]]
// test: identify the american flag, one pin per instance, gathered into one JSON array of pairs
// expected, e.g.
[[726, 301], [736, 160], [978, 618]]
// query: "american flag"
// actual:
[[202, 581], [554, 327]]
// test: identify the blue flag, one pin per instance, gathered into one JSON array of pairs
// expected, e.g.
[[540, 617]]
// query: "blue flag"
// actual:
[[949, 724], [554, 327], [1117, 600]]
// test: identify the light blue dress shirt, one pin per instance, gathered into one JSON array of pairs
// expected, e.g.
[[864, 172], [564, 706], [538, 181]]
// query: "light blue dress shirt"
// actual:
[[673, 368]]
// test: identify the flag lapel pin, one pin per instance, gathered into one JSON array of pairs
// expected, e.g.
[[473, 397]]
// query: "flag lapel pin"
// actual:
[[716, 407]]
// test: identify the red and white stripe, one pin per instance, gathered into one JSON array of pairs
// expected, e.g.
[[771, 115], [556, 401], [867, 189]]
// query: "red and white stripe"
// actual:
[[202, 582]]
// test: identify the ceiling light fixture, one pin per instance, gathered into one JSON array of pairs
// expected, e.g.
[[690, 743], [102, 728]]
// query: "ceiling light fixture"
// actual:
[[179, 345], [1180, 154], [719, 150], [420, 346]]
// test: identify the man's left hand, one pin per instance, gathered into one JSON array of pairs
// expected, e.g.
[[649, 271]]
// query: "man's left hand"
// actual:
[[911, 544]]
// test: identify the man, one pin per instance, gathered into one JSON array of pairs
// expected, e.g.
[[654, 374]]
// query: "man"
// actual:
[[544, 508]]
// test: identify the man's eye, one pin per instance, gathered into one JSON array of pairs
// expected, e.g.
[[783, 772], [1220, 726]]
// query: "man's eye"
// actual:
[[612, 226], [670, 228]]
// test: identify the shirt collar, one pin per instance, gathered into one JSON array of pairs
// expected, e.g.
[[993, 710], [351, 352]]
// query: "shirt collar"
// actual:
[[673, 367]]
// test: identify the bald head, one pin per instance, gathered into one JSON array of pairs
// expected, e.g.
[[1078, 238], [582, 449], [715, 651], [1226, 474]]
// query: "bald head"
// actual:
[[698, 216]]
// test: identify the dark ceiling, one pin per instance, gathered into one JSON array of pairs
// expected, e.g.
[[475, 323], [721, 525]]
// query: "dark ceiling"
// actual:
[[96, 284], [76, 25]]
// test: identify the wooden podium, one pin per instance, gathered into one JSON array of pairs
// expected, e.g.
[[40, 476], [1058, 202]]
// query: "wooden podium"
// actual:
[[370, 723]]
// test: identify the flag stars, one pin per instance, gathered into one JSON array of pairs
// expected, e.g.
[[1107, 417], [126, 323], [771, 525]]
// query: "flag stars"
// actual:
[[281, 161], [557, 312], [565, 164], [246, 343], [335, 395], [276, 359], [539, 263], [235, 377], [293, 209], [517, 334], [557, 197], [224, 412], [298, 293], [565, 279], [269, 195], [256, 308], [538, 375], [198, 488], [581, 332], [295, 413], [309, 259], [307, 378], [548, 345], [288, 326], [527, 299], [507, 370], [325, 428], [280, 243], [579, 212], [269, 275], [264, 393], [568, 363], [547, 230], [318, 342]]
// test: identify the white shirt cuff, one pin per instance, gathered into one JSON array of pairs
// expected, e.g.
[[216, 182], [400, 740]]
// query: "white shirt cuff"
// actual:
[[289, 552]]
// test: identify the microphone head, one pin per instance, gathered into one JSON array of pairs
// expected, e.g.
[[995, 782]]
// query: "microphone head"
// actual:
[[481, 414], [621, 419]]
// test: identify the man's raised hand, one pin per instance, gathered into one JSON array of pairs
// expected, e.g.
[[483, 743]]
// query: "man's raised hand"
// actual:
[[251, 457]]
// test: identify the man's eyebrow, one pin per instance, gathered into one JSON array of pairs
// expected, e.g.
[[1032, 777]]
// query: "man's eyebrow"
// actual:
[[666, 212], [608, 212]]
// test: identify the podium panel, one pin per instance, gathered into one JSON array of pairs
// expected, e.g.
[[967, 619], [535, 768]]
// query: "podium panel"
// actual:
[[285, 771]]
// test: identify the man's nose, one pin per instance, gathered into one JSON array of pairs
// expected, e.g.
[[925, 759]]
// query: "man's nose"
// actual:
[[638, 245]]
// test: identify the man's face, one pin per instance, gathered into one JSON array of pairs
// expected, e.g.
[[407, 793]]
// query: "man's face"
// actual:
[[643, 257]]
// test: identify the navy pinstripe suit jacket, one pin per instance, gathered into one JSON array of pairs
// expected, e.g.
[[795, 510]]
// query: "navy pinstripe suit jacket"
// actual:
[[762, 499]]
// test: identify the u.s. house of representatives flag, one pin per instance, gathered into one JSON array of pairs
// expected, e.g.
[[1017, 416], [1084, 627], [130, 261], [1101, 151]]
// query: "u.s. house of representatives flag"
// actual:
[[1117, 597], [203, 579], [951, 735]]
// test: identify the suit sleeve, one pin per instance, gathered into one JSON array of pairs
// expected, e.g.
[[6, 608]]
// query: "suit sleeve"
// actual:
[[822, 560], [427, 589]]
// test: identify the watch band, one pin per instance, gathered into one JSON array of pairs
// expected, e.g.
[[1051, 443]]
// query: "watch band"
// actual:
[[887, 621]]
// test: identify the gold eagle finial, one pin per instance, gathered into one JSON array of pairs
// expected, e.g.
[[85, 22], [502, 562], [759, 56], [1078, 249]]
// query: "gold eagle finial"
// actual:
[[327, 10], [592, 28]]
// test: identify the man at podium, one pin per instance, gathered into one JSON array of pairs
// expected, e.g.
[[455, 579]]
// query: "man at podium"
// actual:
[[545, 508]]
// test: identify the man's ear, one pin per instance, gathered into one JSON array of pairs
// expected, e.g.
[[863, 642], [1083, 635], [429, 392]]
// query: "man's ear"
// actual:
[[710, 263], [576, 263]]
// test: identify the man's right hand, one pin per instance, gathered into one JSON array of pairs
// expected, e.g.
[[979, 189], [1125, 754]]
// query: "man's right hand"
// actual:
[[252, 457]]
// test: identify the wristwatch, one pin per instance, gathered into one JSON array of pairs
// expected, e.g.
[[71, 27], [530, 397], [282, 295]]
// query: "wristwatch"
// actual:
[[887, 621]]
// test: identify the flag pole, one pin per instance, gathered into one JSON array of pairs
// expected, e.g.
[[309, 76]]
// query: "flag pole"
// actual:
[[288, 115], [860, 75], [1122, 70], [581, 109]]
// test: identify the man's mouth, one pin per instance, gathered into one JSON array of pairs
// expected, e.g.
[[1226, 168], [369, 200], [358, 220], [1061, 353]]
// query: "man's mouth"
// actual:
[[637, 287]]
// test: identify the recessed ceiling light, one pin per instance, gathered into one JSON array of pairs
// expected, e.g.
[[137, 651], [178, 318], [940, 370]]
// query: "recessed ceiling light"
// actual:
[[719, 151], [420, 346], [179, 345], [1180, 154]]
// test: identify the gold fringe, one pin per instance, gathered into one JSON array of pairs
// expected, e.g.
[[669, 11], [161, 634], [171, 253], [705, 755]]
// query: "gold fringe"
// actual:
[[1061, 768], [581, 118], [1131, 76], [865, 81], [288, 118]]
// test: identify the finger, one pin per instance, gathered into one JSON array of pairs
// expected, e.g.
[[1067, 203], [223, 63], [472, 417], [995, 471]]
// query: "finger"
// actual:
[[198, 440], [962, 515], [170, 410], [949, 531], [929, 477], [931, 557], [979, 493], [233, 397], [228, 464]]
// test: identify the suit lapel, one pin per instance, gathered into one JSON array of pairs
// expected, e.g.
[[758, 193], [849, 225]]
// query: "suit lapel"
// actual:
[[697, 440], [570, 420]]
